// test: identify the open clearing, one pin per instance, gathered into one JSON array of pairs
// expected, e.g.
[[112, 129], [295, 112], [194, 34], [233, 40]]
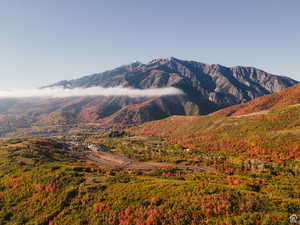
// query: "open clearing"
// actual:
[[114, 160]]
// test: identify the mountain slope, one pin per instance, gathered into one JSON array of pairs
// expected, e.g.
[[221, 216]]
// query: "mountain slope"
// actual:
[[289, 96]]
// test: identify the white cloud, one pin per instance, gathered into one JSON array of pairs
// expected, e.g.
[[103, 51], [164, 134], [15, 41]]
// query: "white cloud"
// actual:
[[59, 92]]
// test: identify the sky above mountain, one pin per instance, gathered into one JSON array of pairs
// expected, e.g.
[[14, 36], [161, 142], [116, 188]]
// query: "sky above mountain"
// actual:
[[46, 41]]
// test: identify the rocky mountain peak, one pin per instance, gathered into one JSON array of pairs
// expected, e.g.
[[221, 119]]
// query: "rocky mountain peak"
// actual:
[[207, 88], [163, 60]]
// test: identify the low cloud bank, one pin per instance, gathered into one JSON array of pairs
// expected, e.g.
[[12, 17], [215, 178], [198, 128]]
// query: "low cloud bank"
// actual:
[[59, 92]]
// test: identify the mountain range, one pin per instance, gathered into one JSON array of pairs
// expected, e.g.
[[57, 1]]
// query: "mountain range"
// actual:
[[207, 88]]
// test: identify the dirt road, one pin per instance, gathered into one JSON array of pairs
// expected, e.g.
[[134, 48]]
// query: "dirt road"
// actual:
[[114, 160]]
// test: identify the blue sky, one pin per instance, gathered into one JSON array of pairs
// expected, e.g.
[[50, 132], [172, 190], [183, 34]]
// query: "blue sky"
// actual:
[[46, 41]]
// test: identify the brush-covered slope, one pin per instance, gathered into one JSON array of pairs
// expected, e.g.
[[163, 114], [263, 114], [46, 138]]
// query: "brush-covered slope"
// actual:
[[289, 96], [272, 136]]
